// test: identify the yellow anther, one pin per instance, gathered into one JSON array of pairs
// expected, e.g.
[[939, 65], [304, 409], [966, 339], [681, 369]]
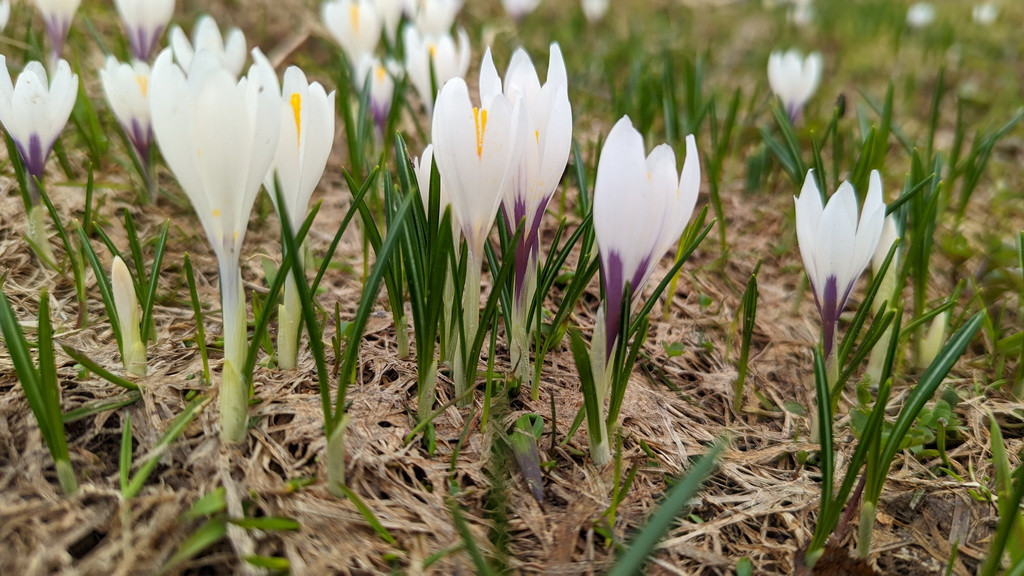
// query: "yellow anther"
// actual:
[[296, 102], [480, 120], [353, 14], [143, 83]]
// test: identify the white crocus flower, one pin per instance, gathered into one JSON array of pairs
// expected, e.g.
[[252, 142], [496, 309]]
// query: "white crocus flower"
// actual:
[[450, 60], [230, 49], [57, 15], [218, 136], [641, 206], [133, 350], [381, 74], [836, 246], [546, 153], [307, 136], [476, 149], [126, 87], [794, 79], [5, 13], [354, 24], [920, 14], [518, 9], [594, 10], [391, 12], [436, 17], [144, 22], [985, 13], [34, 112]]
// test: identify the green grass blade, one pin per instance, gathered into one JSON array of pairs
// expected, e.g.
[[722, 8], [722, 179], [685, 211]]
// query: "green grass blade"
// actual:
[[926, 387], [632, 562], [368, 515]]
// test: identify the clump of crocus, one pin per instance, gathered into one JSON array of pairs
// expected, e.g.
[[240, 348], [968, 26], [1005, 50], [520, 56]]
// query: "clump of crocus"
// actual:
[[442, 53], [34, 112], [57, 15], [355, 25], [133, 350], [307, 136], [641, 207], [144, 22], [534, 180], [794, 79], [229, 50], [219, 136], [477, 149], [836, 246]]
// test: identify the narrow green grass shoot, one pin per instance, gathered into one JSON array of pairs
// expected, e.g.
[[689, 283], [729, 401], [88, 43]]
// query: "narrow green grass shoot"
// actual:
[[40, 383]]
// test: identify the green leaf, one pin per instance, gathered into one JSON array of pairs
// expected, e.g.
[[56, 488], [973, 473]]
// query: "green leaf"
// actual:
[[632, 562], [207, 535], [267, 524], [273, 563], [368, 515], [209, 504]]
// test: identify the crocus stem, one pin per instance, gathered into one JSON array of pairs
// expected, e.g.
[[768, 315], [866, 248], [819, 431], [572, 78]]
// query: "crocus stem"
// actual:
[[877, 357], [336, 457], [234, 391], [39, 236], [289, 313], [148, 164], [427, 388], [134, 355], [463, 373], [519, 336], [447, 320], [865, 527], [66, 476], [402, 333], [600, 451]]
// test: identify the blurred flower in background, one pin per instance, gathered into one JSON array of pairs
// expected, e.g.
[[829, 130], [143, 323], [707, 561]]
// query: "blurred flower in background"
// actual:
[[920, 15]]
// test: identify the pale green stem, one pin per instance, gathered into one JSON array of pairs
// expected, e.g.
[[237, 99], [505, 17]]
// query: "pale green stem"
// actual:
[[289, 316], [600, 451], [336, 458], [427, 389], [133, 352], [402, 333], [519, 338], [66, 476], [465, 375], [134, 356], [878, 353], [864, 528], [38, 234], [447, 320], [234, 391]]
